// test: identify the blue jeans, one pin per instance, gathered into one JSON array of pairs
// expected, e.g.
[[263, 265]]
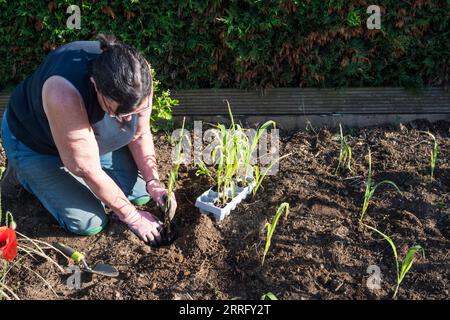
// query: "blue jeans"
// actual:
[[67, 197]]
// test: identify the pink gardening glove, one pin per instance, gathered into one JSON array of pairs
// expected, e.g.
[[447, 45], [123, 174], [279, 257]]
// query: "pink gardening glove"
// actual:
[[144, 225], [159, 194]]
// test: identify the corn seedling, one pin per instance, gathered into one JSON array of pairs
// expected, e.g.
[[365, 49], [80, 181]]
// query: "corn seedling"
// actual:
[[271, 226], [269, 296], [227, 159], [232, 159], [345, 153], [249, 149], [173, 175], [202, 170], [223, 154], [371, 187], [433, 154], [407, 262], [258, 177]]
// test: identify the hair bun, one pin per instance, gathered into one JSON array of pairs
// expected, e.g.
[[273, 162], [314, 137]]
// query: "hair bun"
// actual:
[[107, 42]]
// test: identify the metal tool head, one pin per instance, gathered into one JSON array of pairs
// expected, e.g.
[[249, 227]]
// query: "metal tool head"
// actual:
[[101, 269], [104, 270]]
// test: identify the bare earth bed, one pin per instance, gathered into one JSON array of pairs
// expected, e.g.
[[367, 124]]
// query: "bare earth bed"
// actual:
[[319, 252]]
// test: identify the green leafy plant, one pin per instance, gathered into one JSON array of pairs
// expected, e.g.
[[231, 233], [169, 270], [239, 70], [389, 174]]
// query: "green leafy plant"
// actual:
[[371, 187], [269, 296], [252, 37], [202, 170], [232, 159], [249, 148], [226, 160], [345, 153], [407, 263], [161, 117], [433, 154], [226, 154], [284, 207], [353, 18]]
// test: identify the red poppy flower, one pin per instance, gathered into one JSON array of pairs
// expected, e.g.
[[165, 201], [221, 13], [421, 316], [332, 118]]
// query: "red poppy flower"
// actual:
[[8, 244]]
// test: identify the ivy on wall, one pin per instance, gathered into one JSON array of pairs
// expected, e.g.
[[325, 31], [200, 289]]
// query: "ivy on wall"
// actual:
[[246, 43]]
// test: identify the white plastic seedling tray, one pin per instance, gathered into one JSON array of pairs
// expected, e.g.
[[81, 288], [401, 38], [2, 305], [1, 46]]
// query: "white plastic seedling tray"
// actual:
[[205, 202]]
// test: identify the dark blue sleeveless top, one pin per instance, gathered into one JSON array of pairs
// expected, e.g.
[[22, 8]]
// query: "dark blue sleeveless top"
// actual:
[[25, 112]]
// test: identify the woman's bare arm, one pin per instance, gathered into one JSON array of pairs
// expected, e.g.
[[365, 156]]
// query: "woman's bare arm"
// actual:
[[76, 144], [143, 149]]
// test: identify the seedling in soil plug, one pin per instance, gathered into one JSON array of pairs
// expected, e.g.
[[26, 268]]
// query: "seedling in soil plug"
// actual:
[[235, 153], [271, 226], [168, 234], [223, 155], [223, 197], [433, 153], [407, 262], [249, 149], [345, 153], [227, 160], [371, 187], [202, 170], [269, 296], [232, 169], [173, 175]]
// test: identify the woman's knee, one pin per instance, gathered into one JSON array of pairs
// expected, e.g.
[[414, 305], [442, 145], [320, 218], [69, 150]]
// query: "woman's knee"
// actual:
[[86, 224]]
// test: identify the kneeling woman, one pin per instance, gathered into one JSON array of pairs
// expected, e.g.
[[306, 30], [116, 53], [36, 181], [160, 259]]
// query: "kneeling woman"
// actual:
[[76, 133]]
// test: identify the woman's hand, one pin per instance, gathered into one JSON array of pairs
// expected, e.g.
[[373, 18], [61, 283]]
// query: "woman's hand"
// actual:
[[159, 194], [145, 225]]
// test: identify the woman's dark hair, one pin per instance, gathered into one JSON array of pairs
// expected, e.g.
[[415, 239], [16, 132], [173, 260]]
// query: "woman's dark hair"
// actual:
[[122, 74]]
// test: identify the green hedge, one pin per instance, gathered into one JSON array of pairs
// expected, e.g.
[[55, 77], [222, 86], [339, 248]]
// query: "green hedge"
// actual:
[[246, 44]]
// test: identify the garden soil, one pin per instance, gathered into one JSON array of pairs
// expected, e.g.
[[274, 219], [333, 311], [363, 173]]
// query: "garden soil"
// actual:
[[318, 252]]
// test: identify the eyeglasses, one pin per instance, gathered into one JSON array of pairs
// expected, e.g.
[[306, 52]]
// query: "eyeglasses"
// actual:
[[120, 118]]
